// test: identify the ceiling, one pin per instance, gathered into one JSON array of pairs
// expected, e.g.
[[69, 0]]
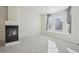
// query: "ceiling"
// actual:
[[43, 9]]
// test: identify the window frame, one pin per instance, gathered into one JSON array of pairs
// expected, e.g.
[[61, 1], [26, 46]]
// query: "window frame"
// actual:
[[65, 28]]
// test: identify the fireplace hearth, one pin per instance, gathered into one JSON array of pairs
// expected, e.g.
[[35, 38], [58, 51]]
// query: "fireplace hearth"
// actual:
[[11, 33]]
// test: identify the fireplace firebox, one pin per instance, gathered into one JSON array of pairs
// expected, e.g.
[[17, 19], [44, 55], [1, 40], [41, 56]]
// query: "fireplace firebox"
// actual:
[[11, 33]]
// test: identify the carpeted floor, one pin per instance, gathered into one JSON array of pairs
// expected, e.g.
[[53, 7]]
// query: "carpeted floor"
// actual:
[[40, 44]]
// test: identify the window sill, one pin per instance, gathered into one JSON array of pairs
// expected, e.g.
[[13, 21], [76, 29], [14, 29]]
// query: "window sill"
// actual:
[[59, 32]]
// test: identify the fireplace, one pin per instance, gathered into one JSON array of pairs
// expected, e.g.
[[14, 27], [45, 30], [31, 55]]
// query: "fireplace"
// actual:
[[11, 33]]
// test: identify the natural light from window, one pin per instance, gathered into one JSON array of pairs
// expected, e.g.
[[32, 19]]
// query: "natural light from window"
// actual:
[[59, 22]]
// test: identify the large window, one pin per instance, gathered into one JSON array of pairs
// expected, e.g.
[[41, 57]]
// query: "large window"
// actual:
[[60, 21]]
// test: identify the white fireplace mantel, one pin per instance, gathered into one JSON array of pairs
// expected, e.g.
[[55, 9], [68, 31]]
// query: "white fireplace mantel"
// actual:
[[11, 23]]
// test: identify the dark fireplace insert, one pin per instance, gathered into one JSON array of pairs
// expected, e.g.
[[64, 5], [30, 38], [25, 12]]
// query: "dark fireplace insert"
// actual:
[[11, 33]]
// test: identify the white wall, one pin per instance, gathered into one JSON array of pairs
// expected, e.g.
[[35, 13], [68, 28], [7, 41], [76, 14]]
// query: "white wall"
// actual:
[[75, 23], [28, 21], [12, 13], [74, 36], [12, 16]]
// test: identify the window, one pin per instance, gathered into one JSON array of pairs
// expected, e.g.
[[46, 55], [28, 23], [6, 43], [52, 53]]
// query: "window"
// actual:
[[59, 21], [49, 22]]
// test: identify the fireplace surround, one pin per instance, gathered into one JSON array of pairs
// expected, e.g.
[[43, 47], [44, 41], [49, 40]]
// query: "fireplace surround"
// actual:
[[11, 33]]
